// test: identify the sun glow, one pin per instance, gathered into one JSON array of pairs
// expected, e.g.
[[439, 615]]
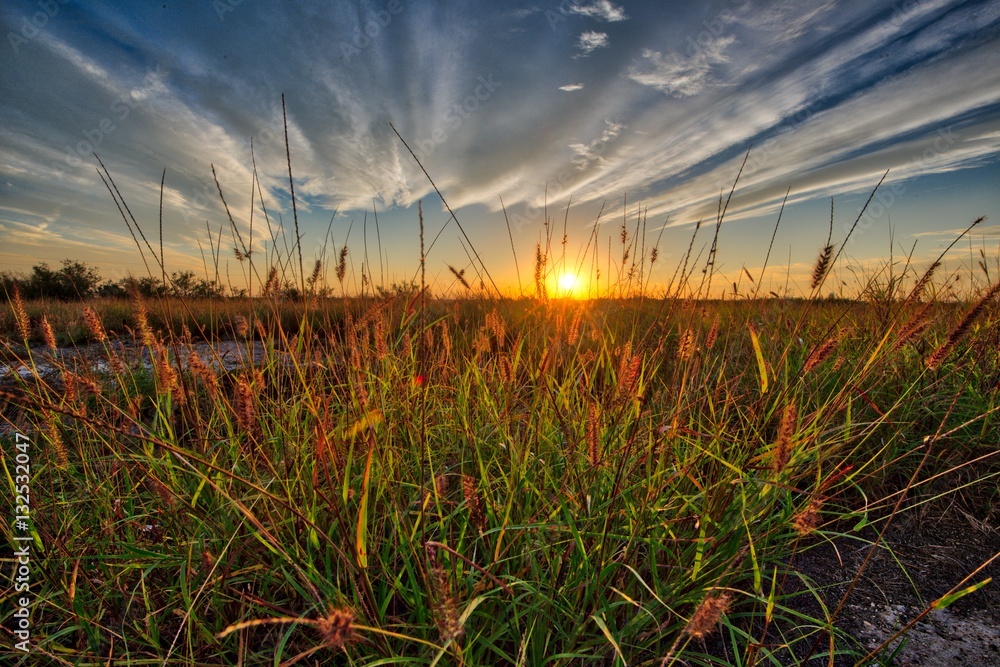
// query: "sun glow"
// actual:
[[570, 285]]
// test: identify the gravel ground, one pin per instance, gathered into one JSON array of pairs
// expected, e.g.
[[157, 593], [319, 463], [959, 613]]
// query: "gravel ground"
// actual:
[[930, 551]]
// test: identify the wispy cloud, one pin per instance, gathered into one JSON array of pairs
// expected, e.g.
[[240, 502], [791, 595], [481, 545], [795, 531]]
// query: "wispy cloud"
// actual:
[[591, 40], [593, 151], [604, 10], [663, 110], [678, 75]]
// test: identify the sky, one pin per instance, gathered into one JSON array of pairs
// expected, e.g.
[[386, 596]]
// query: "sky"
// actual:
[[579, 112]]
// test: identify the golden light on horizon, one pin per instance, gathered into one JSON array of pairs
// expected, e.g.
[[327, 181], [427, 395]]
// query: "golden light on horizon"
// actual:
[[570, 285]]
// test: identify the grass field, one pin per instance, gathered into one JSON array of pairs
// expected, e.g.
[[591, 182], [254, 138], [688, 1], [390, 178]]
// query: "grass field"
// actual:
[[483, 481], [411, 481]]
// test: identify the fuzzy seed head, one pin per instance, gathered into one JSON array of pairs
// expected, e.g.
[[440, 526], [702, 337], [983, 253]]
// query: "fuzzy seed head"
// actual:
[[707, 615], [496, 325], [242, 326], [809, 519], [686, 347], [445, 607], [56, 440], [337, 627], [342, 265], [204, 373], [713, 334], [47, 334], [94, 325], [819, 355], [142, 322], [593, 435], [822, 266], [244, 407], [961, 329], [786, 435], [460, 276], [573, 335], [473, 502], [20, 315], [165, 374]]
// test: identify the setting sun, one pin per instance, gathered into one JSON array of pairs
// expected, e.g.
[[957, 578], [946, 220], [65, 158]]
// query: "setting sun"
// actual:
[[570, 285]]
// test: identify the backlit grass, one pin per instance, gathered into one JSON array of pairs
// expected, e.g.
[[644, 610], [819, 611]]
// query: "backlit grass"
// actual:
[[408, 480]]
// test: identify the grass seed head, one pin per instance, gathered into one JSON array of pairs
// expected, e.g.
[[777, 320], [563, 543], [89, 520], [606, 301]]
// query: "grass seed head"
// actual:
[[961, 329], [47, 334], [142, 323], [496, 325], [472, 501], [445, 607], [914, 326], [70, 385], [445, 339], [822, 266], [707, 615], [713, 334], [573, 335], [506, 369], [593, 435], [819, 355], [921, 286], [809, 519], [540, 290], [94, 325], [242, 326], [204, 373], [628, 370], [165, 374], [56, 440], [460, 276], [271, 285], [20, 315], [786, 435], [314, 276], [686, 347], [337, 627], [342, 265], [244, 407]]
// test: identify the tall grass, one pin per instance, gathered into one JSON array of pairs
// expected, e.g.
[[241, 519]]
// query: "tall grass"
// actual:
[[416, 481]]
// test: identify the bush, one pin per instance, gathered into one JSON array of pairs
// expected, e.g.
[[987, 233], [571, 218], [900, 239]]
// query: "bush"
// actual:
[[74, 281]]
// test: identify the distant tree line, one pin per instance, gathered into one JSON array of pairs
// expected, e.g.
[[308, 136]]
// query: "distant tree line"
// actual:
[[76, 280]]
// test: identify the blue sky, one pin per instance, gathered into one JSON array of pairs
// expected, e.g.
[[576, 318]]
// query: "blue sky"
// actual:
[[597, 102]]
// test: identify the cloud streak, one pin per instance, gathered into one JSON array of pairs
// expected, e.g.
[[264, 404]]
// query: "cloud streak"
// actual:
[[663, 110], [590, 41]]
